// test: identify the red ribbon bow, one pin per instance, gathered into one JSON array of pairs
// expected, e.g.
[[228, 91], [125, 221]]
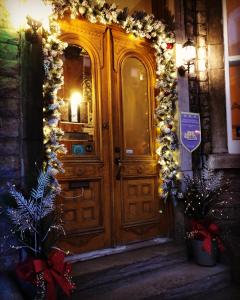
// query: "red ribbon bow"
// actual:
[[54, 269], [207, 233]]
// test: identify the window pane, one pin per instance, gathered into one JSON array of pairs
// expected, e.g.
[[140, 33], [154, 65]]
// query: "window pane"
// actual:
[[77, 115], [233, 17], [234, 73], [135, 107]]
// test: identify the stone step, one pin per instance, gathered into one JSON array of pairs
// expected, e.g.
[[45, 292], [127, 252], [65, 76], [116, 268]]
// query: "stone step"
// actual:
[[105, 270], [159, 272]]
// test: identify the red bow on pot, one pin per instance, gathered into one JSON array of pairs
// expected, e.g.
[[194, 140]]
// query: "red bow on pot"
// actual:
[[54, 270], [207, 233]]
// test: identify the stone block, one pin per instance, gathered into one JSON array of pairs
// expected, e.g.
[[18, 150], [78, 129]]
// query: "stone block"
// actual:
[[9, 87], [215, 56], [202, 29], [8, 51], [201, 17], [200, 5], [201, 52], [201, 65], [218, 110], [10, 162], [202, 76], [205, 111], [9, 127], [230, 163], [215, 26], [205, 123], [204, 99], [9, 36], [9, 107], [4, 16], [9, 146], [207, 148], [9, 68], [203, 87], [201, 41]]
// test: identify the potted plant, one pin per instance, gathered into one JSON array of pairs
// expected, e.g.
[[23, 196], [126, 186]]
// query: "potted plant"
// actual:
[[36, 223], [203, 205]]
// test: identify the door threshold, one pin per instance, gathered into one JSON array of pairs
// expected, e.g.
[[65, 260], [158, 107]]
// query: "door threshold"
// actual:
[[115, 250]]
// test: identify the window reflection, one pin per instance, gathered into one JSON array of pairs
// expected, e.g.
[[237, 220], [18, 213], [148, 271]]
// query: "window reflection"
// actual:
[[234, 72], [135, 107], [233, 17], [77, 118]]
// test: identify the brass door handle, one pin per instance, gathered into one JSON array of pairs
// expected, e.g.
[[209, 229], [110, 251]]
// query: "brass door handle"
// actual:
[[119, 168]]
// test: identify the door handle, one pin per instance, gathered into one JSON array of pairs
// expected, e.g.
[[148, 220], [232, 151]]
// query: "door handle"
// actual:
[[119, 168]]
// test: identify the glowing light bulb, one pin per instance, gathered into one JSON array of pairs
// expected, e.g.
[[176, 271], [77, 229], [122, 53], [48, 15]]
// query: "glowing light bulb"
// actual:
[[20, 9], [75, 101]]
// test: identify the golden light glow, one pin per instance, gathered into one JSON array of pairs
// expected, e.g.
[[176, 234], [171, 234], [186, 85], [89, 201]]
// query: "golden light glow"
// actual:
[[20, 9], [76, 98], [75, 101], [179, 55], [133, 37]]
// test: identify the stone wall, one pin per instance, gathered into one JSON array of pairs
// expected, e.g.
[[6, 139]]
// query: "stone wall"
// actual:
[[203, 19], [10, 124], [10, 96]]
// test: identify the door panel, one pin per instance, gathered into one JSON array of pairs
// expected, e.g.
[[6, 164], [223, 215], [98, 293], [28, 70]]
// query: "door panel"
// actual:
[[136, 198], [85, 184], [109, 188]]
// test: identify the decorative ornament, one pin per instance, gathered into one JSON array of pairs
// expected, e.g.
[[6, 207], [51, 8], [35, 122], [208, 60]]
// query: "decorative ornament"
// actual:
[[141, 25]]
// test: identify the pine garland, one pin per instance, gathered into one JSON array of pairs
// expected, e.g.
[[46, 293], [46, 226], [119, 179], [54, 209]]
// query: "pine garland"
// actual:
[[141, 25]]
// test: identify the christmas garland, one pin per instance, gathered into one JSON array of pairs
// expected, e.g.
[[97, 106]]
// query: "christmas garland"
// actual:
[[141, 25]]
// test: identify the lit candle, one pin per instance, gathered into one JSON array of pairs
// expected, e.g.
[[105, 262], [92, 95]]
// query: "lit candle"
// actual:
[[75, 101]]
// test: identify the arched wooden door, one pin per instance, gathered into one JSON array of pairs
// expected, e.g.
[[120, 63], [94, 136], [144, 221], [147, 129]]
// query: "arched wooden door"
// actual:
[[110, 185]]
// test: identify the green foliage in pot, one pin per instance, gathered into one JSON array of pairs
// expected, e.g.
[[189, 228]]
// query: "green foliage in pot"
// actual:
[[203, 197]]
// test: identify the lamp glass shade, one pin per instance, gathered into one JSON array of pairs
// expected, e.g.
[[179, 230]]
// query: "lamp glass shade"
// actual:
[[189, 51]]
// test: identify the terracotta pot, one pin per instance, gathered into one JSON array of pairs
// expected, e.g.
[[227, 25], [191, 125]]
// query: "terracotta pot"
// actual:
[[202, 257]]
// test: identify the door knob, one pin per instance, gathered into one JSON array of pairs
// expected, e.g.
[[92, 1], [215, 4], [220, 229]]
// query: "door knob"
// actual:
[[119, 168]]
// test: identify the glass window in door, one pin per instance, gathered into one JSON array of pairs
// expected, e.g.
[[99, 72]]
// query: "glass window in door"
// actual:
[[135, 103], [77, 115]]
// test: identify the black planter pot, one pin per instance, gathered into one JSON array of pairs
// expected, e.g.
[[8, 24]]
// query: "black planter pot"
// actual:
[[202, 257]]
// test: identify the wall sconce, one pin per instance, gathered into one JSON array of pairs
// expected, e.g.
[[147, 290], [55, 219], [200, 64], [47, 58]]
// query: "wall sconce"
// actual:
[[189, 55]]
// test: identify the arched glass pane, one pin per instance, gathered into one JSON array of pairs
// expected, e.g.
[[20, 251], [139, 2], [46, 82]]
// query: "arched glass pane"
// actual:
[[135, 107], [77, 117]]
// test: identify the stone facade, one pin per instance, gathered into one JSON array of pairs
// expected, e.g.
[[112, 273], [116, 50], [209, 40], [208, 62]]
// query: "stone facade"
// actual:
[[203, 22], [205, 91], [10, 122], [10, 99]]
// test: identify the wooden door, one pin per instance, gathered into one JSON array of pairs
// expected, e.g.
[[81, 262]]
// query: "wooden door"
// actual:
[[86, 185], [136, 198], [109, 188]]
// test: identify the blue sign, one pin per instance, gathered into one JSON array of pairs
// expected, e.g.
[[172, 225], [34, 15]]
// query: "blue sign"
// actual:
[[78, 149], [190, 130]]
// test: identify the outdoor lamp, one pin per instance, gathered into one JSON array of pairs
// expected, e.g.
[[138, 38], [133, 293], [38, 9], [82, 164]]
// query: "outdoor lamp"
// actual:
[[19, 10], [189, 55], [31, 33]]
